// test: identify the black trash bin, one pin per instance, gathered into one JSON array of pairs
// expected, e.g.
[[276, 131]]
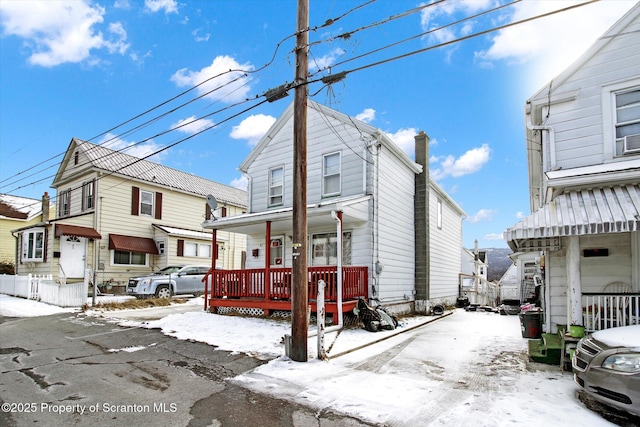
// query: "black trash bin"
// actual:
[[531, 324]]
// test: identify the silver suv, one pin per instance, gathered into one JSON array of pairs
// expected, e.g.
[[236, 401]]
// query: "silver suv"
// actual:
[[172, 280]]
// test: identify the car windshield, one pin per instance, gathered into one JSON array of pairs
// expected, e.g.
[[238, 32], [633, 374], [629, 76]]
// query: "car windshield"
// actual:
[[168, 270]]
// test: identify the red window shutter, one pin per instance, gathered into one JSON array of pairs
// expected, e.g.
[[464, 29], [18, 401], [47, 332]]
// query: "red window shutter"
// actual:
[[223, 211], [180, 247], [45, 242], [207, 212], [135, 201], [158, 205]]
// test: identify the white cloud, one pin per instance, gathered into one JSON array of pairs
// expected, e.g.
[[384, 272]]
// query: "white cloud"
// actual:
[[60, 32], [169, 6], [252, 128], [470, 162], [483, 215], [240, 183], [430, 18], [190, 126], [323, 62], [367, 116], [143, 150], [555, 41], [222, 84], [493, 236], [199, 37], [520, 215], [405, 139]]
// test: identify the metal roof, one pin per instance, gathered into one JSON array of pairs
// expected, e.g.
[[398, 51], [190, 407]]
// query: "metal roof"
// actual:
[[614, 209], [135, 167]]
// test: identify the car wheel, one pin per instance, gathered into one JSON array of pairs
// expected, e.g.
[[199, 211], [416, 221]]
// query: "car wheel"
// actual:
[[163, 291]]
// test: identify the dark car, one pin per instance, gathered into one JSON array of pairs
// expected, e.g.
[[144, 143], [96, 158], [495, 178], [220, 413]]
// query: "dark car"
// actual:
[[606, 364]]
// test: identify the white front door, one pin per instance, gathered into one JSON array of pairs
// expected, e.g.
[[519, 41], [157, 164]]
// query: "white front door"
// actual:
[[72, 256]]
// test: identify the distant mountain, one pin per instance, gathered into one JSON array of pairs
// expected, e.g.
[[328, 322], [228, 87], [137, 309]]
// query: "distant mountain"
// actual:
[[499, 261]]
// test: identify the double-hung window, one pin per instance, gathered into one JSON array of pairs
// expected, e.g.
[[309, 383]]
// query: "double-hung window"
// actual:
[[324, 248], [197, 250], [627, 121], [146, 203], [33, 245], [88, 198], [276, 186], [331, 184], [64, 203]]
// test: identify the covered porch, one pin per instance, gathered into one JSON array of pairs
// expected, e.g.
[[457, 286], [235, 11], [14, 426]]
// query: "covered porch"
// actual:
[[265, 285], [591, 244]]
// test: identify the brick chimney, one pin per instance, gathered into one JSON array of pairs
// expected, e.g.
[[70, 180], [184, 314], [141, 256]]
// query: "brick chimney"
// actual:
[[45, 206], [421, 222]]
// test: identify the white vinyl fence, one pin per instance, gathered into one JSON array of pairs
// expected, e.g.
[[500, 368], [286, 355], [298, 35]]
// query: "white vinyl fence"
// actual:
[[44, 289]]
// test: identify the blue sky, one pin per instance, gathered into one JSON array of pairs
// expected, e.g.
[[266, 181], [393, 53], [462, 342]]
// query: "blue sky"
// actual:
[[81, 68]]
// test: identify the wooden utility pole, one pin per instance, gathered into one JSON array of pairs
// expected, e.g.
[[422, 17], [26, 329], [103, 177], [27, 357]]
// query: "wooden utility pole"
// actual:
[[299, 275]]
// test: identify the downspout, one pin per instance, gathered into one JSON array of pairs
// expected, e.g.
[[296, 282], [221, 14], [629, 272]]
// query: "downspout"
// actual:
[[551, 138]]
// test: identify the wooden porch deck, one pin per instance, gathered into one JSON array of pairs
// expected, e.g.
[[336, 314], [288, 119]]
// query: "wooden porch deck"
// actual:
[[270, 289]]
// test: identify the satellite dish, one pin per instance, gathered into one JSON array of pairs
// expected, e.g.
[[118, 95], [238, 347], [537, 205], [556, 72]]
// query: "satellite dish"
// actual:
[[212, 202]]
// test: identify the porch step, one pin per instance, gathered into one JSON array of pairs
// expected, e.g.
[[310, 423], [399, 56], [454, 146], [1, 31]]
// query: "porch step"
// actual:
[[547, 350]]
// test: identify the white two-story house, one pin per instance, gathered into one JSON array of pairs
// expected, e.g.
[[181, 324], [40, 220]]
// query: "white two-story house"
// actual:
[[400, 233], [583, 148], [122, 216]]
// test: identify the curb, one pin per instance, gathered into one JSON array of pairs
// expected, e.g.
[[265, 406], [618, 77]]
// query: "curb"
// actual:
[[397, 332]]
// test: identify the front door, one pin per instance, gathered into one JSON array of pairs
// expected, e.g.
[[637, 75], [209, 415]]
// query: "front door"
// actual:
[[72, 256]]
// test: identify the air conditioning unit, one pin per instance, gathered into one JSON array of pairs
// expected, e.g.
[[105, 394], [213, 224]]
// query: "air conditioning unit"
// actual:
[[631, 144]]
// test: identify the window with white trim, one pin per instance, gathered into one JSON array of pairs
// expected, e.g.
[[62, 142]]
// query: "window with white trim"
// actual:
[[331, 183], [276, 186], [146, 202], [64, 203], [33, 245], [128, 258], [324, 248], [627, 122], [200, 250], [88, 201]]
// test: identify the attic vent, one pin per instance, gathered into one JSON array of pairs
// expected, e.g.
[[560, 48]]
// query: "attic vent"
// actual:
[[631, 144]]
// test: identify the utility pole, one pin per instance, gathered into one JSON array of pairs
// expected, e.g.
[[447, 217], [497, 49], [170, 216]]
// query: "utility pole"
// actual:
[[299, 272]]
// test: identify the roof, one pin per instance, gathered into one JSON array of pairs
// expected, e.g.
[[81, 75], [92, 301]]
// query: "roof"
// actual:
[[183, 232], [142, 245], [613, 209], [15, 207], [123, 164], [77, 231]]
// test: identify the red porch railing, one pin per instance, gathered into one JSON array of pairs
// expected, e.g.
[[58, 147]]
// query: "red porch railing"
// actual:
[[248, 288]]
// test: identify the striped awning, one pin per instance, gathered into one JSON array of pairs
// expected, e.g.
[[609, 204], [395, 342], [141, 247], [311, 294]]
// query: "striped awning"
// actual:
[[614, 209]]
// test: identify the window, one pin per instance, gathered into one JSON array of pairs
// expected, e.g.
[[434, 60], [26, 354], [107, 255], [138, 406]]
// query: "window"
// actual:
[[439, 213], [146, 203], [64, 203], [276, 186], [129, 258], [276, 252], [324, 249], [331, 174], [88, 189], [33, 245], [200, 250], [627, 122]]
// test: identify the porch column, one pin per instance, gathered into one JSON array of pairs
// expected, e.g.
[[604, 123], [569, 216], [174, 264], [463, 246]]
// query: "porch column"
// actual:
[[267, 260], [574, 284]]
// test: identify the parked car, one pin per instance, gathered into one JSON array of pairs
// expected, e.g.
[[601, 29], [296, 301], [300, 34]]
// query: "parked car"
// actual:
[[169, 281], [606, 364]]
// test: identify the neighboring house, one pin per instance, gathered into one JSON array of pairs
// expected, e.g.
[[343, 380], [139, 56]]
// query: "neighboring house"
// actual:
[[123, 216], [583, 148], [16, 212], [401, 233]]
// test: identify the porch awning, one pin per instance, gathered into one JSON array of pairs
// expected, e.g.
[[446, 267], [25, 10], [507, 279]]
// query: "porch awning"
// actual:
[[77, 231], [614, 209], [132, 244]]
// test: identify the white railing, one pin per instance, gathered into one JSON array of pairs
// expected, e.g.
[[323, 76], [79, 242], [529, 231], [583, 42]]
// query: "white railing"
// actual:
[[44, 289], [603, 311]]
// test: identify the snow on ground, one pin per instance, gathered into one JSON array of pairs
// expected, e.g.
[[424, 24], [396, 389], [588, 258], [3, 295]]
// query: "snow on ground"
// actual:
[[465, 368]]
